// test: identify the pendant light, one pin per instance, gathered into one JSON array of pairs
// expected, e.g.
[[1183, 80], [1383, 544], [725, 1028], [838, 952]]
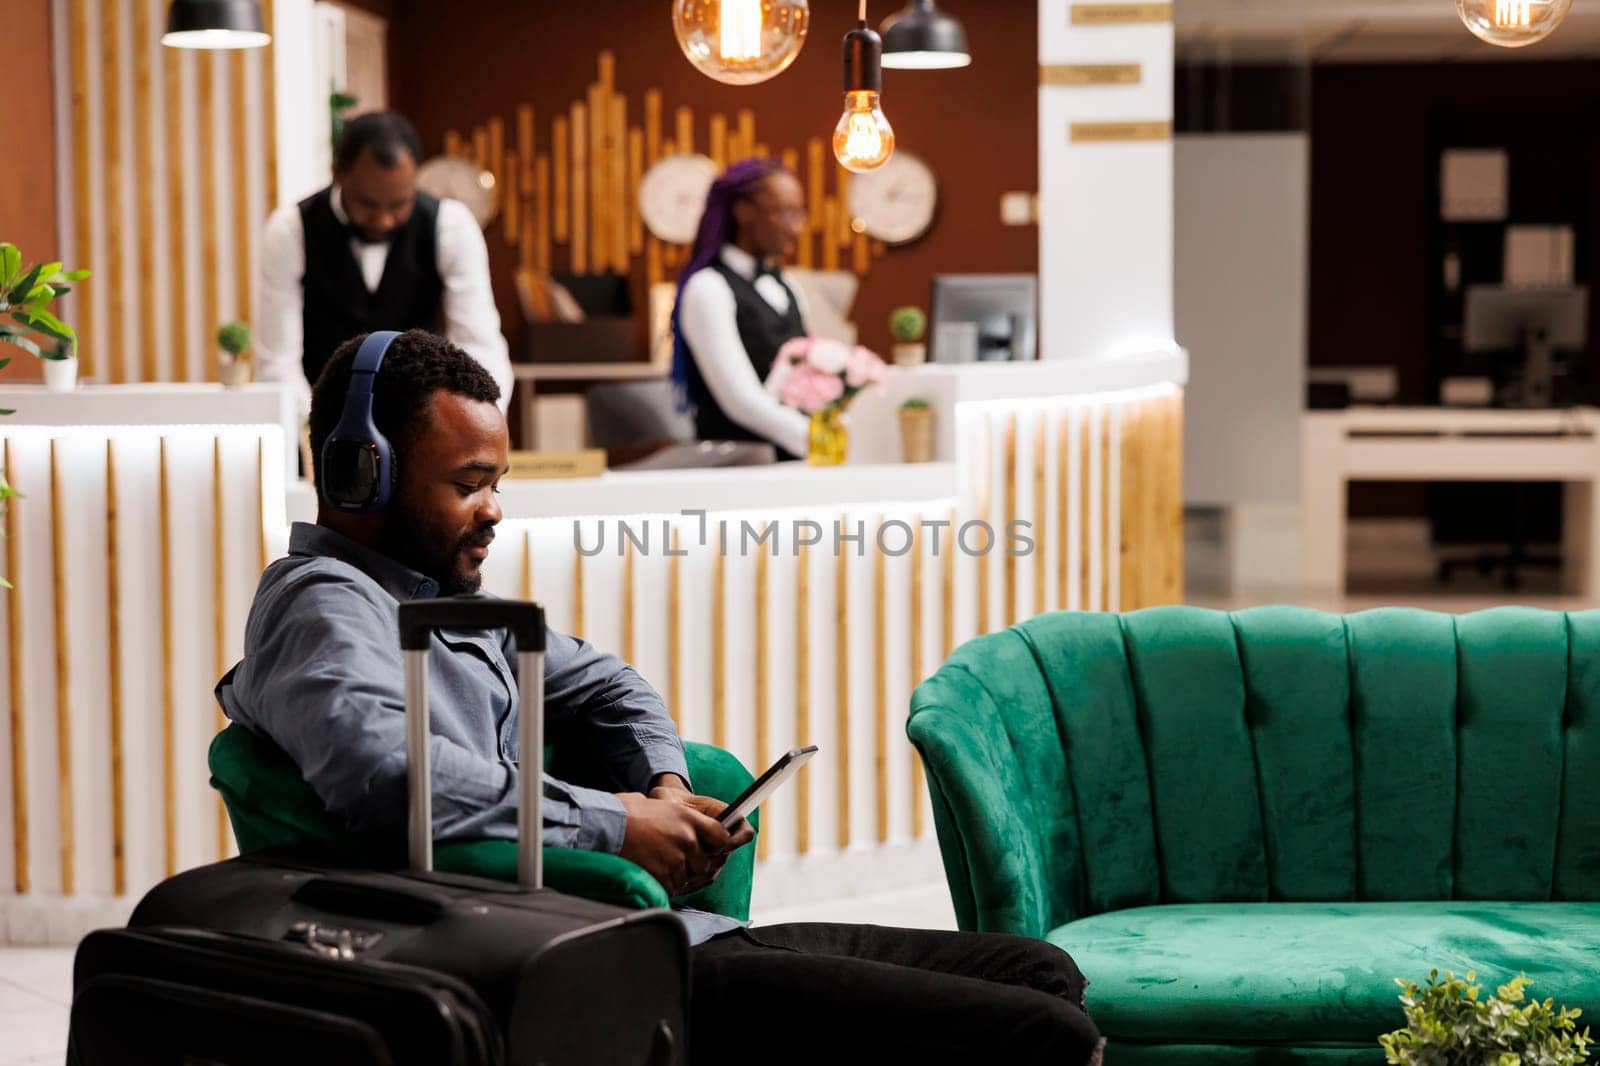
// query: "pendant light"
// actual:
[[740, 42], [921, 37], [1512, 23], [213, 24], [863, 140]]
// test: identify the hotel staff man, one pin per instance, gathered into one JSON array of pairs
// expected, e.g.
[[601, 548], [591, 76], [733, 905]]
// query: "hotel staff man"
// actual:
[[373, 252]]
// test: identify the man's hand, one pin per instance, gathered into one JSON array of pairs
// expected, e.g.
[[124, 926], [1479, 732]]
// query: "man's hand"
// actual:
[[676, 841], [672, 787]]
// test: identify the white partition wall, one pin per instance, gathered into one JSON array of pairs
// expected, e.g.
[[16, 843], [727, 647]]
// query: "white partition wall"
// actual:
[[1105, 178]]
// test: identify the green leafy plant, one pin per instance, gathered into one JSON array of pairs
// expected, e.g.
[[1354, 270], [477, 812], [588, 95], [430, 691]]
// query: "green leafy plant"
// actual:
[[338, 104], [914, 404], [25, 296], [234, 338], [908, 324], [1450, 1024]]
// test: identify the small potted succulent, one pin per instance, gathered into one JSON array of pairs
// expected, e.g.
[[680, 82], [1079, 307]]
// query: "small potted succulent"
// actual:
[[909, 325], [235, 367], [916, 431], [1449, 1022]]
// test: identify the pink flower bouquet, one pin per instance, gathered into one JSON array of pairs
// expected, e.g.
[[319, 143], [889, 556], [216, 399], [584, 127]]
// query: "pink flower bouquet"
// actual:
[[814, 374]]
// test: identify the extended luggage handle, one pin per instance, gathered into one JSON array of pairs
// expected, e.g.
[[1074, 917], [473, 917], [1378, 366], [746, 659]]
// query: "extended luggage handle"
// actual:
[[418, 620]]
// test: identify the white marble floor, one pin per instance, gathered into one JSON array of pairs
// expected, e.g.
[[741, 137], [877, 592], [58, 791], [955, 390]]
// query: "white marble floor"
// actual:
[[36, 983]]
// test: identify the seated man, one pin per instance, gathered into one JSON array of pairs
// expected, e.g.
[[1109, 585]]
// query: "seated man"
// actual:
[[323, 677]]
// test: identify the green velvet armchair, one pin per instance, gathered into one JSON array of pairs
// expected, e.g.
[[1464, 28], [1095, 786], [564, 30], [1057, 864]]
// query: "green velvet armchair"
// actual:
[[270, 805], [1245, 826]]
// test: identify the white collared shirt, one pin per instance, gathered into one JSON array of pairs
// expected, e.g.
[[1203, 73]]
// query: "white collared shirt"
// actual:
[[708, 318], [471, 320]]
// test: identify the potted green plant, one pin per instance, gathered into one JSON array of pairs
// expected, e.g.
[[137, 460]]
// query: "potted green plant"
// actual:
[[909, 325], [234, 368], [916, 431], [25, 296], [1449, 1022]]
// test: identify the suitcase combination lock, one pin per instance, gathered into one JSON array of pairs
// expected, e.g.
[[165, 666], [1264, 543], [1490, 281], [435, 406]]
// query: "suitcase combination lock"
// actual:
[[331, 943]]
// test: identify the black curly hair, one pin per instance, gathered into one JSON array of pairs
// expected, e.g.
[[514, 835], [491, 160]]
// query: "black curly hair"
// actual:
[[417, 365]]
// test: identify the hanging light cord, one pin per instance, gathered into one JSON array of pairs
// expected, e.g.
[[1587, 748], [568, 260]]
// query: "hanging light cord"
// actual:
[[863, 10]]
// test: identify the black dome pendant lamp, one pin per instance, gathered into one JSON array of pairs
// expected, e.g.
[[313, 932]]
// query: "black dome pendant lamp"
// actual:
[[214, 24], [921, 37]]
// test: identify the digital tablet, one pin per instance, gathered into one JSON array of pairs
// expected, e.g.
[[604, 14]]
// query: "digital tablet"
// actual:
[[765, 785]]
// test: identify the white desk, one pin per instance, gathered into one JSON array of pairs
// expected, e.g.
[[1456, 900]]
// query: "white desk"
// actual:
[[1446, 444]]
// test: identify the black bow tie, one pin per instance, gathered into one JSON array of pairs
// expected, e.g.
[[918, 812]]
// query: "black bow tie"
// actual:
[[765, 270]]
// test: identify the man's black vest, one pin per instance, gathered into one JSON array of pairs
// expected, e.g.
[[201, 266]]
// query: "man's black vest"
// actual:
[[763, 329], [337, 305]]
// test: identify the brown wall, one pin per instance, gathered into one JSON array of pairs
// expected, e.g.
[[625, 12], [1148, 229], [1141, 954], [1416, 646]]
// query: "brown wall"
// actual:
[[977, 127], [28, 175]]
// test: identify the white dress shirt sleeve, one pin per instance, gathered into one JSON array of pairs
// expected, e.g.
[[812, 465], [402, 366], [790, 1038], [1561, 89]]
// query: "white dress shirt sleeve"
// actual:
[[279, 340], [471, 320], [708, 319]]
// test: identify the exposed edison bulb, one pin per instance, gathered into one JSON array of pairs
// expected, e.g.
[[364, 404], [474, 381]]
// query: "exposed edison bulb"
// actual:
[[1513, 23], [863, 140], [740, 42]]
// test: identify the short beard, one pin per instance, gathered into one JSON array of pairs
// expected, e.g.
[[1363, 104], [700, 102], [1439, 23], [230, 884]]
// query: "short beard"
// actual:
[[409, 539]]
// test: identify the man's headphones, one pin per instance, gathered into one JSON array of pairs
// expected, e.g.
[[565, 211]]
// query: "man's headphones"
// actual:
[[357, 463]]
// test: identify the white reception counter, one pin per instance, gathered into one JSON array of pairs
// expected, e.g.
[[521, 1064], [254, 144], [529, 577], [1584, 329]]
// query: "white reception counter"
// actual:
[[770, 605]]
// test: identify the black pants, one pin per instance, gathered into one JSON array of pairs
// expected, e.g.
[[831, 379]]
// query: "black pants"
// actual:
[[846, 993]]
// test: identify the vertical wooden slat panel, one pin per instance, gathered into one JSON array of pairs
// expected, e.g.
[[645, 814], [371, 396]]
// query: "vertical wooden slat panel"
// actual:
[[719, 140], [1063, 514], [830, 222], [719, 641], [789, 159], [816, 189], [1041, 515], [144, 153], [169, 725], [244, 213], [618, 225], [63, 630], [173, 60], [627, 600], [606, 69], [578, 620], [599, 217], [840, 233], [914, 674], [527, 564], [652, 126], [111, 40], [580, 185], [1010, 560], [19, 732], [947, 592], [880, 670], [452, 143], [269, 103], [635, 176], [1085, 527], [1131, 545], [119, 821], [560, 144], [985, 465], [525, 150], [802, 688], [528, 240], [497, 158], [763, 711], [747, 133], [674, 635], [219, 613], [83, 187], [541, 207], [511, 205], [1171, 519], [210, 193], [683, 136], [860, 255], [1108, 534], [841, 668]]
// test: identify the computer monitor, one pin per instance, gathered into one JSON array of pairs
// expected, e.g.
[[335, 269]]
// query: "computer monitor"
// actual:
[[1536, 322], [986, 318]]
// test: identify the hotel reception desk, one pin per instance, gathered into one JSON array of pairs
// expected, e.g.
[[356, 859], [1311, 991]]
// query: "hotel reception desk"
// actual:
[[770, 605]]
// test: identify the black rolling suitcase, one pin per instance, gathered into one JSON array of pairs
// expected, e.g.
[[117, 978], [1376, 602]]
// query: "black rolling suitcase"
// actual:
[[271, 958]]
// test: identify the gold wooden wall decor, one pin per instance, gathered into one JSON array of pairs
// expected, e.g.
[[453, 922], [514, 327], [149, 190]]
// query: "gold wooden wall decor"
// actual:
[[18, 686], [582, 194], [121, 223], [58, 565], [119, 821], [802, 689]]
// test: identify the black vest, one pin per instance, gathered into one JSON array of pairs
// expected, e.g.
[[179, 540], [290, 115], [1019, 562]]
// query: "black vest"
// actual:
[[337, 305], [763, 330]]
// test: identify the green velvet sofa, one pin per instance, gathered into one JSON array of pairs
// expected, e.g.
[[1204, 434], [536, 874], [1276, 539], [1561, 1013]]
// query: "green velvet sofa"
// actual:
[[1245, 826], [270, 805]]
